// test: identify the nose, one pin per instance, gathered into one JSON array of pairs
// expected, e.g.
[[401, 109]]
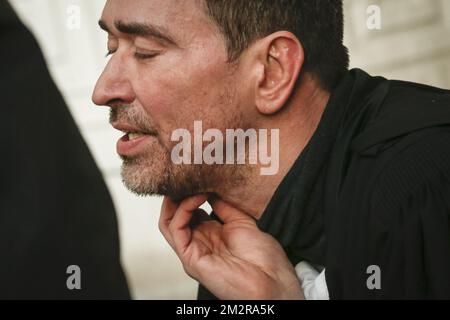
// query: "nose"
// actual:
[[113, 87]]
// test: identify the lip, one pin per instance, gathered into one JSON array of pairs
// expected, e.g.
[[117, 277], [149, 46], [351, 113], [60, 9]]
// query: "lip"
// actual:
[[126, 147]]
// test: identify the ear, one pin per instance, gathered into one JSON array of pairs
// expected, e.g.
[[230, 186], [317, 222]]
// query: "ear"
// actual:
[[281, 56]]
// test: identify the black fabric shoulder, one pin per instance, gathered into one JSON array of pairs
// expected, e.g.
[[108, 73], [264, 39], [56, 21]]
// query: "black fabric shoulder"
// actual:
[[407, 107], [425, 157]]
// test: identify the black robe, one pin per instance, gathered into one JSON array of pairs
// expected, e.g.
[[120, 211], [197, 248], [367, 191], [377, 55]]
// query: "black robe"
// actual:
[[372, 188], [55, 210]]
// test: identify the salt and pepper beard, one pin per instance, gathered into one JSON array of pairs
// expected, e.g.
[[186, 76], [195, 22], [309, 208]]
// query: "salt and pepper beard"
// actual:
[[154, 173]]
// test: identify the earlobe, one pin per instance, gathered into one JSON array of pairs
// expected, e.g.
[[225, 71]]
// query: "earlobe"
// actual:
[[284, 58]]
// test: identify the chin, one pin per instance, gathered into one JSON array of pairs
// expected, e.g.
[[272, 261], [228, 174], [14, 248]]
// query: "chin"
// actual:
[[146, 176], [175, 182], [143, 179]]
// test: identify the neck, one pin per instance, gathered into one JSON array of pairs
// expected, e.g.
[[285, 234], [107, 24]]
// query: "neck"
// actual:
[[296, 123]]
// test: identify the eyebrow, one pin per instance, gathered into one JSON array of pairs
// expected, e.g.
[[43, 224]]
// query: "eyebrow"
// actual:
[[141, 30]]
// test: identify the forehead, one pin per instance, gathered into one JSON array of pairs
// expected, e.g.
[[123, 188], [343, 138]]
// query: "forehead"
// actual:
[[178, 16]]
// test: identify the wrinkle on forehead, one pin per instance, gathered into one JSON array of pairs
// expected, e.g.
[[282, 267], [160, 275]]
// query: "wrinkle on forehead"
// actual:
[[185, 19]]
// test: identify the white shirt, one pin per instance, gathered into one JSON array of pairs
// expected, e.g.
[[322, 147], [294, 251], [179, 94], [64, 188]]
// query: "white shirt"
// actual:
[[313, 283]]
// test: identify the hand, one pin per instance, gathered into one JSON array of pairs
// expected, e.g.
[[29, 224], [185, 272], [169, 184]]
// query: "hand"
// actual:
[[234, 260]]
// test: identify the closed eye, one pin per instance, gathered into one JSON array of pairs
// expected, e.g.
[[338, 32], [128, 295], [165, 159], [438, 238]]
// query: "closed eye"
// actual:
[[144, 56], [137, 55]]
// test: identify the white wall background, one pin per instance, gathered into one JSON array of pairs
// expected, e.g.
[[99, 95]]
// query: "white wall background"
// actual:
[[413, 44]]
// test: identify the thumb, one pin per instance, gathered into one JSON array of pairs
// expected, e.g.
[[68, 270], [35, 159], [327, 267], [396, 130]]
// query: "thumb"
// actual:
[[227, 213]]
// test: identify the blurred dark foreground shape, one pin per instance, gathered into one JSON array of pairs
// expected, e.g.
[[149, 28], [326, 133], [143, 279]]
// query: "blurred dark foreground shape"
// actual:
[[55, 210]]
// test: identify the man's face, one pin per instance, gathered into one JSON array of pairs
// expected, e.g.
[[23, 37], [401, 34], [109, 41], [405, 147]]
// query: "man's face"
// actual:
[[168, 69]]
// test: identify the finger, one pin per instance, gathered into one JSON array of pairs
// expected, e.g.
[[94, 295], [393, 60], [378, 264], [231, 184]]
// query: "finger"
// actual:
[[179, 229], [227, 213], [168, 210], [198, 217]]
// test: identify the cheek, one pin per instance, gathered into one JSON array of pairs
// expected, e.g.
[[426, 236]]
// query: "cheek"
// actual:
[[176, 97]]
